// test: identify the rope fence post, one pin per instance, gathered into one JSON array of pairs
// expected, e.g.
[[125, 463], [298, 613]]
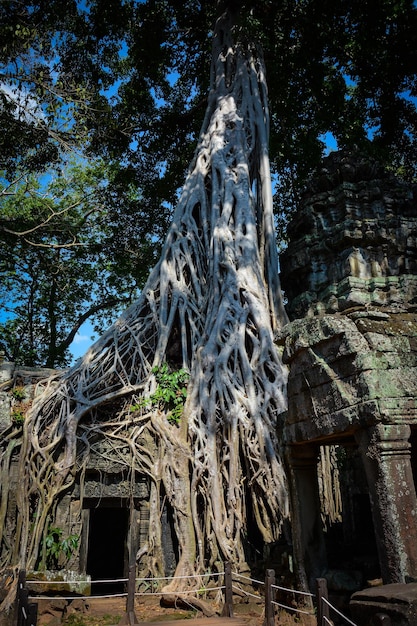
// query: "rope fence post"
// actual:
[[27, 612], [269, 598], [322, 607], [129, 617], [228, 591]]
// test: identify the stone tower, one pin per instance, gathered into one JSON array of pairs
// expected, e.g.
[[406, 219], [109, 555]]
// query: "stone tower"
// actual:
[[350, 276]]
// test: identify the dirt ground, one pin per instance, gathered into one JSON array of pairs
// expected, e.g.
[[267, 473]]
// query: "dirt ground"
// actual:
[[109, 612]]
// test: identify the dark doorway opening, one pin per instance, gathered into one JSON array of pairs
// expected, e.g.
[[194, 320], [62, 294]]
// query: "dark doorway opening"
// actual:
[[254, 543], [106, 555], [169, 539]]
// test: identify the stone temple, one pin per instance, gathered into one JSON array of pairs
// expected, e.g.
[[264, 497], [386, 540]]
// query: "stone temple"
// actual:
[[350, 432], [350, 276]]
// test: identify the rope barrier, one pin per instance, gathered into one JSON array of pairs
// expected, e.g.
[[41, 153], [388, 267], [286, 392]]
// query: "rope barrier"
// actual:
[[347, 620], [121, 580], [252, 580], [76, 582], [193, 592], [291, 608], [196, 592], [179, 577], [302, 593], [113, 595], [247, 593]]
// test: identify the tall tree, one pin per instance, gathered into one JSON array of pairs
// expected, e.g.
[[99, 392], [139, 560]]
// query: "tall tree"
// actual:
[[128, 81], [211, 307], [131, 77], [59, 265]]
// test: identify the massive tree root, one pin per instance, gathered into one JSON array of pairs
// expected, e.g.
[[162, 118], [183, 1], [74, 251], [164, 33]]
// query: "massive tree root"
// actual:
[[212, 306]]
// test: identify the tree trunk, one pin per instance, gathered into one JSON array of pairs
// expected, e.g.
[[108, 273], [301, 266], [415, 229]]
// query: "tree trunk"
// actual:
[[211, 305]]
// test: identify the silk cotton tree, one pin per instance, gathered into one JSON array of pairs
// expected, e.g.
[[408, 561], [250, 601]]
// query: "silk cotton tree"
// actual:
[[212, 307]]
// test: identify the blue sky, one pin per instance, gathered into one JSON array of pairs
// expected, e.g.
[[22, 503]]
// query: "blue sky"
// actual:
[[83, 340]]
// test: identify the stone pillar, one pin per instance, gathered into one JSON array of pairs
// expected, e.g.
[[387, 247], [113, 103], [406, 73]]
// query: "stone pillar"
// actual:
[[386, 452], [309, 547]]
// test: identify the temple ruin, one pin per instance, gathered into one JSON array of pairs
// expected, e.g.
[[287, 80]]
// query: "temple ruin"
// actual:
[[350, 432], [350, 276]]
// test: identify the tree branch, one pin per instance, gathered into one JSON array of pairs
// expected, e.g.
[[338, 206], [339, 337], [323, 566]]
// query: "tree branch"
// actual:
[[101, 306]]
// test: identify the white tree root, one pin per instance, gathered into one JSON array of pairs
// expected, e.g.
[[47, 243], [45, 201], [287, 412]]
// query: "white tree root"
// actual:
[[211, 305]]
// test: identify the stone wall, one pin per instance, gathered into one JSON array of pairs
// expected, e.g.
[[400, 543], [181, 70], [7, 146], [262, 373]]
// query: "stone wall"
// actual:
[[350, 276], [105, 484], [354, 242]]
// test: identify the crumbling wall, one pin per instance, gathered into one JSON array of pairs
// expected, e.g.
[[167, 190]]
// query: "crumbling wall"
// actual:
[[350, 276]]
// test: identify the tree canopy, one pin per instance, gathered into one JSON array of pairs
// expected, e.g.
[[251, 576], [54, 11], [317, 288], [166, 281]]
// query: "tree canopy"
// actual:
[[58, 269], [128, 81], [131, 79]]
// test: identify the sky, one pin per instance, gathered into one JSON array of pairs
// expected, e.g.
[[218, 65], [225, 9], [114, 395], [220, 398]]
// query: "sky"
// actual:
[[84, 338]]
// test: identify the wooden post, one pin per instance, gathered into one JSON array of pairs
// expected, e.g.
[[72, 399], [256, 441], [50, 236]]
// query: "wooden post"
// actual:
[[21, 611], [228, 591], [322, 607], [269, 598], [27, 613], [129, 617]]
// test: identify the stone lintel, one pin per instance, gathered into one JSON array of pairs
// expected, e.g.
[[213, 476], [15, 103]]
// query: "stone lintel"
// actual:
[[349, 372]]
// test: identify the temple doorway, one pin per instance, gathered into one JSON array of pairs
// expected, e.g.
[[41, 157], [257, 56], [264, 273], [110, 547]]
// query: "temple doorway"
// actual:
[[107, 547]]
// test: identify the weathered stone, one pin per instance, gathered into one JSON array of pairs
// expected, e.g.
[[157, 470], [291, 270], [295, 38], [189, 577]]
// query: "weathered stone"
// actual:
[[350, 275], [78, 605], [60, 582], [56, 606], [352, 243], [6, 371], [47, 619], [5, 417], [397, 601]]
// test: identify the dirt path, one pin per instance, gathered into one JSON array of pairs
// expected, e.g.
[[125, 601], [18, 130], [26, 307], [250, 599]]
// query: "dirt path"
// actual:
[[109, 612]]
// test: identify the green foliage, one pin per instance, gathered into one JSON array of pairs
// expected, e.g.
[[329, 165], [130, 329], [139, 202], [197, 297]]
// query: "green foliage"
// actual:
[[57, 546], [124, 85], [19, 407], [18, 416], [128, 80], [56, 267], [170, 393], [19, 393]]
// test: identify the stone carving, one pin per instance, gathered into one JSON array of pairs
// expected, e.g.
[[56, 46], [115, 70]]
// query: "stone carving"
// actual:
[[105, 483], [353, 243], [350, 276]]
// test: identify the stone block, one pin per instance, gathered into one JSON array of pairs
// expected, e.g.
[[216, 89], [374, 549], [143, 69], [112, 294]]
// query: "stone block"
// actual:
[[398, 601], [47, 619], [78, 605], [392, 383], [5, 417], [6, 371]]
